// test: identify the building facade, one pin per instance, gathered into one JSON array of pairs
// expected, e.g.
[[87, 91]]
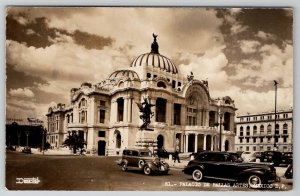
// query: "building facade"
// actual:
[[257, 132], [107, 116]]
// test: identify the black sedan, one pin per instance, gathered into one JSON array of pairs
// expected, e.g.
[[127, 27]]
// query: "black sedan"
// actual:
[[227, 166]]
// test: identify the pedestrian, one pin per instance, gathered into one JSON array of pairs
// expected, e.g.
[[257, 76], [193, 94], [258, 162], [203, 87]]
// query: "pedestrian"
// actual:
[[176, 156]]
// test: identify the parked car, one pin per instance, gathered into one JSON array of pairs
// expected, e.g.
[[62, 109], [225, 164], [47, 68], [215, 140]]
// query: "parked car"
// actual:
[[163, 153], [196, 153], [228, 166], [274, 157], [26, 150], [249, 156], [287, 158], [289, 172], [144, 161]]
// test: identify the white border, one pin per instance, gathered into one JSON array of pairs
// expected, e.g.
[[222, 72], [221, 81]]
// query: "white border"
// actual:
[[204, 3]]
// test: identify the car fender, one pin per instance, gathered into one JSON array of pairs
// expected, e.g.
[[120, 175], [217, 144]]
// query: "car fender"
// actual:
[[247, 172], [124, 161]]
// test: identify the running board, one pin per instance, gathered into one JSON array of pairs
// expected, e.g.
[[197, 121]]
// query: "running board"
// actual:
[[217, 178]]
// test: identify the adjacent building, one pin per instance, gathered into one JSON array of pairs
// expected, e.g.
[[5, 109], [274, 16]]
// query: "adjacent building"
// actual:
[[106, 114], [257, 132]]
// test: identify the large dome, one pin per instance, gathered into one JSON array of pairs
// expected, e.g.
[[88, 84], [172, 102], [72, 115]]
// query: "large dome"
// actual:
[[155, 60]]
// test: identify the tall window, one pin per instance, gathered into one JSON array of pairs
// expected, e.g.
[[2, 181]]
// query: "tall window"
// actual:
[[277, 129], [254, 130], [212, 118], [177, 112], [118, 141], [248, 131], [227, 121], [262, 130], [241, 131], [161, 105], [120, 103], [269, 129], [285, 129], [102, 116], [191, 116]]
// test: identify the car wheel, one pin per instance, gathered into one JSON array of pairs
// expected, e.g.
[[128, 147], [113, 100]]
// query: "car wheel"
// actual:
[[197, 175], [254, 181], [147, 170], [141, 164], [124, 167]]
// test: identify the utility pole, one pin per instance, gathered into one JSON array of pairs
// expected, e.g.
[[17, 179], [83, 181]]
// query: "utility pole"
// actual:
[[275, 135]]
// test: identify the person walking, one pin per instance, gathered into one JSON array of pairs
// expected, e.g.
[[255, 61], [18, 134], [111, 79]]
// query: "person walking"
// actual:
[[176, 156]]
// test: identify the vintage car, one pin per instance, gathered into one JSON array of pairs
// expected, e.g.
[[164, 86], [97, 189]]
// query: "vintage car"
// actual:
[[228, 166], [143, 160], [287, 158], [274, 157]]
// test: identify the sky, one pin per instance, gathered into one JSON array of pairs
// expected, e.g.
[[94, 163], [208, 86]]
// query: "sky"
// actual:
[[239, 51]]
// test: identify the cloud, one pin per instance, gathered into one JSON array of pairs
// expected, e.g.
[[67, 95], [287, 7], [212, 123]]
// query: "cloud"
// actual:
[[249, 46], [275, 64], [25, 93], [265, 36]]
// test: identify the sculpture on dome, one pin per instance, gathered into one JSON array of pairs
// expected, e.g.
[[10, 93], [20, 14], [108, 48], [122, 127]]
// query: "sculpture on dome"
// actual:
[[190, 77], [147, 114], [154, 45]]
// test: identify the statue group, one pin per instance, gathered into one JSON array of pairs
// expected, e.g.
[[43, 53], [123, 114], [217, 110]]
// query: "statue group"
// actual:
[[147, 114]]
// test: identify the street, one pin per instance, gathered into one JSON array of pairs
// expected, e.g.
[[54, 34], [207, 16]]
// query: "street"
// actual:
[[91, 173]]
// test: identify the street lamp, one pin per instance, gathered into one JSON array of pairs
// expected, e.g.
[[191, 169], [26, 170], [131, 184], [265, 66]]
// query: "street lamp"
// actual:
[[275, 136], [220, 124], [27, 134], [43, 139]]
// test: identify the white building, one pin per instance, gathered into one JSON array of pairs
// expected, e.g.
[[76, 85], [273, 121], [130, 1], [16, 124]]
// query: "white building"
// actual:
[[255, 132], [107, 116]]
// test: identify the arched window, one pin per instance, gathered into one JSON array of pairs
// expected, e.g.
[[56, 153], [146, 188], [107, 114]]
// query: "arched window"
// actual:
[[254, 130], [241, 131], [161, 84], [118, 140], [248, 130]]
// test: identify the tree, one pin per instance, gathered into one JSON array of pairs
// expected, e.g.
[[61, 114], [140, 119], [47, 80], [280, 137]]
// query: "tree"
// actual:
[[75, 142]]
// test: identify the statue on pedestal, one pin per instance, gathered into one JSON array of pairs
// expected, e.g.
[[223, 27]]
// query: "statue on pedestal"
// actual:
[[147, 114]]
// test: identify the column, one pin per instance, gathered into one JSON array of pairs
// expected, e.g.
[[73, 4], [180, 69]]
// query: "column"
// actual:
[[168, 112], [204, 142], [182, 142], [196, 143], [129, 109], [125, 112], [186, 142], [114, 111], [211, 143], [90, 138]]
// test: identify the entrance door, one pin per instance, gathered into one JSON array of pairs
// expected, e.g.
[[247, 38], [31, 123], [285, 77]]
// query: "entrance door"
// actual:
[[226, 145], [101, 147], [160, 141]]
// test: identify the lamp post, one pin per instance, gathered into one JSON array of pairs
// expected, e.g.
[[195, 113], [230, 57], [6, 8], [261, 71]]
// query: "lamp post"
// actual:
[[275, 135], [27, 134], [19, 135], [220, 124], [43, 139]]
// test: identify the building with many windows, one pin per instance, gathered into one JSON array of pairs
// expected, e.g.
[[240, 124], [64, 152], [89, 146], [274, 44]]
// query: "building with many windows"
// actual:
[[257, 132], [107, 116]]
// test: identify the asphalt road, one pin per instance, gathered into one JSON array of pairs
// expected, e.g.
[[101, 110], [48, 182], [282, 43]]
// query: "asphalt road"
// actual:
[[91, 173]]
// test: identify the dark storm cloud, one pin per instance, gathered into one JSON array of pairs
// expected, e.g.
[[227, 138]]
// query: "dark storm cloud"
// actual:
[[37, 33], [16, 79], [91, 41]]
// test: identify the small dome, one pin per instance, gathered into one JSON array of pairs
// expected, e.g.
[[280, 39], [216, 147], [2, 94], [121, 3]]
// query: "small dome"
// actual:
[[155, 60], [132, 75]]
